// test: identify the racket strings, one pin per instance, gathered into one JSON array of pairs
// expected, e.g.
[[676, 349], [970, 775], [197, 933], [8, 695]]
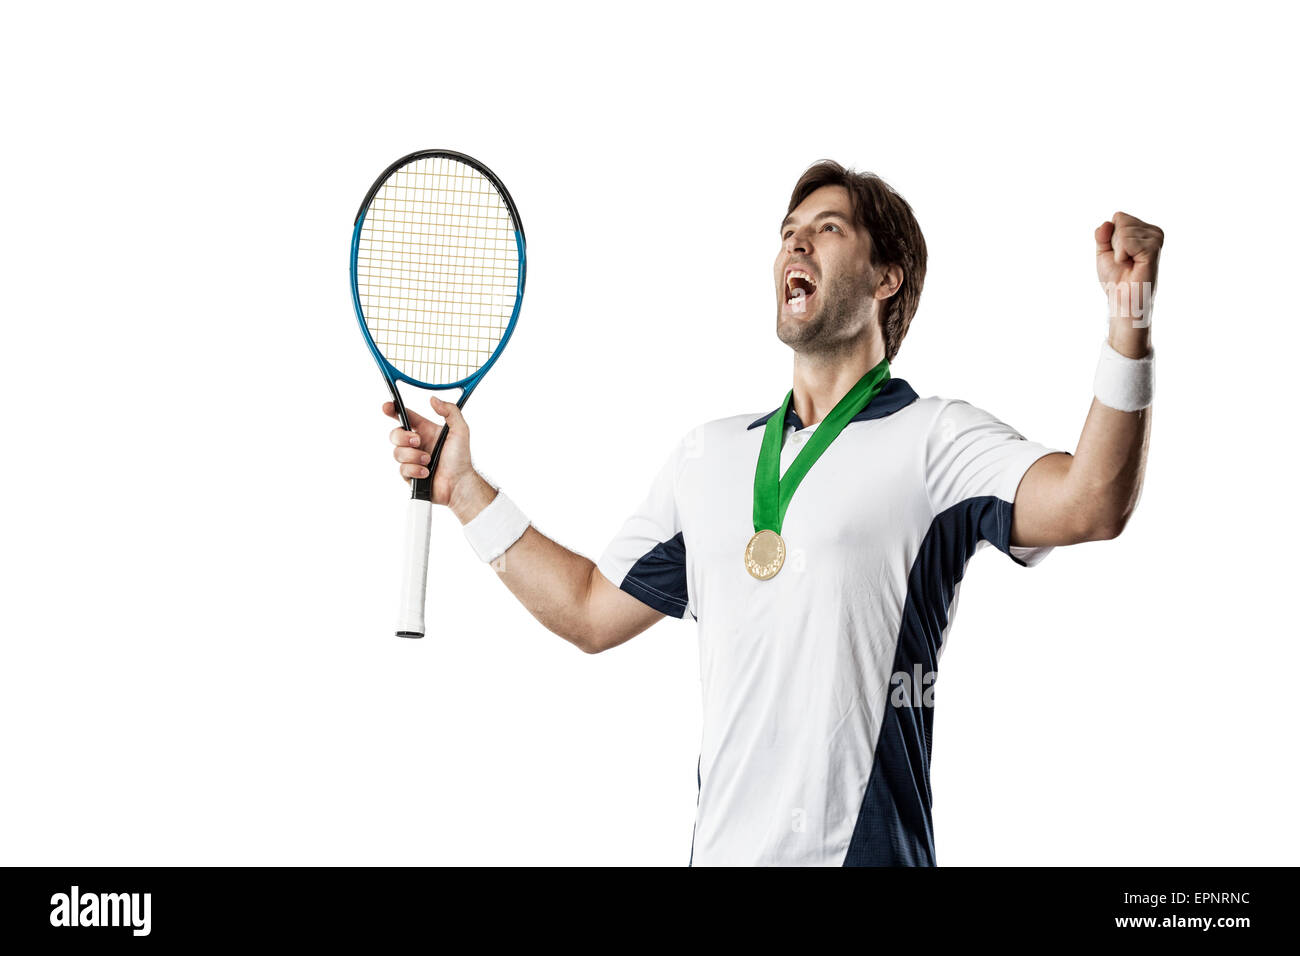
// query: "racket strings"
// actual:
[[437, 269]]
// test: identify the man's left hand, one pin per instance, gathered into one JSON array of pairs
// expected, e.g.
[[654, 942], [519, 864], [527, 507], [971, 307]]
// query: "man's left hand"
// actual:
[[1128, 257]]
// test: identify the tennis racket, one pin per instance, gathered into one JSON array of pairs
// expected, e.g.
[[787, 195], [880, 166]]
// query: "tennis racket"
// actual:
[[438, 270]]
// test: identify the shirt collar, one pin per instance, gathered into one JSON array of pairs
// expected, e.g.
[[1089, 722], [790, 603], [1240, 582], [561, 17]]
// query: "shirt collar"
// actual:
[[895, 395]]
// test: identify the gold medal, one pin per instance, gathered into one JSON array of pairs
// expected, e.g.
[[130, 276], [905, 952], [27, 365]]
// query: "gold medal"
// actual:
[[765, 555]]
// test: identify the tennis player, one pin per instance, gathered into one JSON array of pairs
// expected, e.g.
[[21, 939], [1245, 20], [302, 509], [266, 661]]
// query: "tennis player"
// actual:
[[821, 546]]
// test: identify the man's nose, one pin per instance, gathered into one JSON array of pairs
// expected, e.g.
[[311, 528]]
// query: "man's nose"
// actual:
[[798, 242]]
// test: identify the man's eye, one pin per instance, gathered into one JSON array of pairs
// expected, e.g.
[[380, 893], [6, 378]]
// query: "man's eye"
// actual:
[[786, 234], [831, 225]]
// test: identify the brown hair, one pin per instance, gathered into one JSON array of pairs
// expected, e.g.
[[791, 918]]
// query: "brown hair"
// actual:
[[895, 237]]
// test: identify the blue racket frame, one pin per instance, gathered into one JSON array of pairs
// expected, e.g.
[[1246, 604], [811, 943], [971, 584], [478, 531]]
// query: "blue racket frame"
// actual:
[[423, 487]]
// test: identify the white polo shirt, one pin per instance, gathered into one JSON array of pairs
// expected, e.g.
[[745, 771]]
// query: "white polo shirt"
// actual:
[[817, 684]]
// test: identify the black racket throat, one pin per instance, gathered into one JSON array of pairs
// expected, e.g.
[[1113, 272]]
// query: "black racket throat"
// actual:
[[422, 488]]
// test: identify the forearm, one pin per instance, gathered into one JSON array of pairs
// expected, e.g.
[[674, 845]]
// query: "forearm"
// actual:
[[551, 581], [1108, 466]]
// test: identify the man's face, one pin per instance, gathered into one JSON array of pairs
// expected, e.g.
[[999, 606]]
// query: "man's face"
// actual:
[[826, 257]]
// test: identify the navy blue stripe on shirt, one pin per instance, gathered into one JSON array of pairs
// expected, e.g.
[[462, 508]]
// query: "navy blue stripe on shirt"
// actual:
[[659, 578], [895, 826]]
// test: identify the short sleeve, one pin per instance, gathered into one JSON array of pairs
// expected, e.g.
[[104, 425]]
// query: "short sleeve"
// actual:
[[974, 464], [647, 558]]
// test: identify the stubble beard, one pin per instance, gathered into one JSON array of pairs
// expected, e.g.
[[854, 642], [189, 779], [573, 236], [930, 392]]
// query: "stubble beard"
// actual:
[[836, 327]]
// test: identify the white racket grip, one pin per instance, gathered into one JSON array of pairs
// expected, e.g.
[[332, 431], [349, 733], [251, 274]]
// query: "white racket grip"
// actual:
[[415, 573]]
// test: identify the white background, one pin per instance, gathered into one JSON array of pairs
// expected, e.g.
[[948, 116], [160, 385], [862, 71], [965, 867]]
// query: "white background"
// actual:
[[201, 518]]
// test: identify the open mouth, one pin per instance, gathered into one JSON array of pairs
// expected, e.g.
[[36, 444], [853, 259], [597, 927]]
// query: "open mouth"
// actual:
[[799, 288]]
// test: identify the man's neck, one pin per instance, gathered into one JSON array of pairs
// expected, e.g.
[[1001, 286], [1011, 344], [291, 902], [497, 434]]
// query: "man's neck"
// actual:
[[820, 381]]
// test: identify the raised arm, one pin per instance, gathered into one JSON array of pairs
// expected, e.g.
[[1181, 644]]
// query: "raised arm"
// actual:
[[562, 589], [1090, 495]]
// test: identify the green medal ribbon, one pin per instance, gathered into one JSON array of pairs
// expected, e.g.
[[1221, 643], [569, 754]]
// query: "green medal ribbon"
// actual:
[[772, 492]]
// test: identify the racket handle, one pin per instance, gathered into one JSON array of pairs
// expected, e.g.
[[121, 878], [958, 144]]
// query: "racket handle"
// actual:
[[415, 573]]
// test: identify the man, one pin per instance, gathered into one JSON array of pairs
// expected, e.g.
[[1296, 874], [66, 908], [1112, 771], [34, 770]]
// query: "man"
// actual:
[[821, 546]]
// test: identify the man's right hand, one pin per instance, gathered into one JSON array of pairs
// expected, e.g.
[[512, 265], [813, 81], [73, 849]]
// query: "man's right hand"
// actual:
[[560, 588], [413, 449]]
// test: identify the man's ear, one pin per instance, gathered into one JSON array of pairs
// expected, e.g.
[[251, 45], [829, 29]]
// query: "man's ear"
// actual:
[[891, 280]]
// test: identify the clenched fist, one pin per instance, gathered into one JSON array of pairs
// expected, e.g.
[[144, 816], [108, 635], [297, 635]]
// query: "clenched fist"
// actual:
[[1128, 257]]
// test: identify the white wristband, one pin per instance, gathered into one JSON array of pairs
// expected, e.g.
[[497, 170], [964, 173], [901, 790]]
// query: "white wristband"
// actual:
[[496, 528], [1124, 383]]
